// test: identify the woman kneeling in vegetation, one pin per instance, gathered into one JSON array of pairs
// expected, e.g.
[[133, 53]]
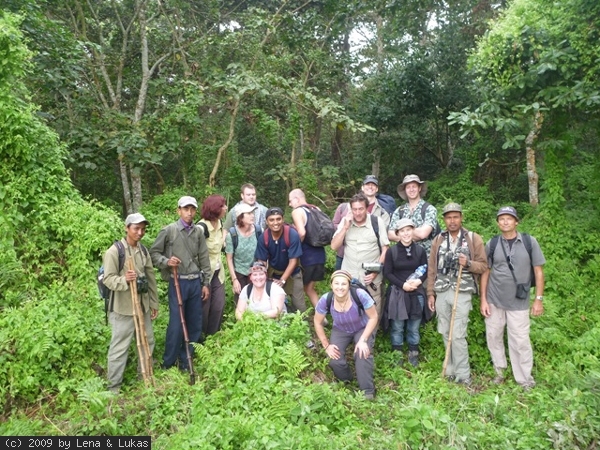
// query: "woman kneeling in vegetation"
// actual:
[[261, 296], [351, 322]]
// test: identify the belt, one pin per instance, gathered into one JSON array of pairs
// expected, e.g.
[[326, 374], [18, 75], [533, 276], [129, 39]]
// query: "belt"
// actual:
[[190, 276]]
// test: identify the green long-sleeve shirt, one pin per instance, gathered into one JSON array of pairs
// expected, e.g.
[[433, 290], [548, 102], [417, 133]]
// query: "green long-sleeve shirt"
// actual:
[[189, 247]]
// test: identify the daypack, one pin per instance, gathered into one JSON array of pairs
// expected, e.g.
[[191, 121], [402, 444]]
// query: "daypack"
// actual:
[[319, 227], [436, 230], [268, 285], [286, 235], [105, 293], [235, 238], [204, 228], [387, 202], [375, 225], [354, 286], [528, 246]]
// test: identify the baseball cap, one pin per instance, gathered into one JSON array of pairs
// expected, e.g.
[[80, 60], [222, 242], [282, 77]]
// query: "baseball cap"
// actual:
[[245, 208], [404, 223], [135, 218], [507, 210], [371, 179], [452, 207], [275, 210], [187, 201]]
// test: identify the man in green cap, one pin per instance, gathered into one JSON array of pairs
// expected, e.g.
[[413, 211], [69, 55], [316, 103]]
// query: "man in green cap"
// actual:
[[455, 250]]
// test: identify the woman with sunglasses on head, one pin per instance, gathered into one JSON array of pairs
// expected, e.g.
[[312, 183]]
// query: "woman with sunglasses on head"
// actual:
[[213, 210], [405, 266], [261, 296], [354, 320]]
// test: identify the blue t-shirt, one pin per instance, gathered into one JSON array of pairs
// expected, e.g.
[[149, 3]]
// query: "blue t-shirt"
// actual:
[[277, 252], [349, 321]]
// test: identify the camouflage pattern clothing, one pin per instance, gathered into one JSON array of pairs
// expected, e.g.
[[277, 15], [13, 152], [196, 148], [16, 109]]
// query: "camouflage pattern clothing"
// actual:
[[430, 218], [448, 252]]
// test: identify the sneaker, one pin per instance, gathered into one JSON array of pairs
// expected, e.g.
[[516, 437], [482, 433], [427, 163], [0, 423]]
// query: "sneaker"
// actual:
[[499, 378], [310, 344], [413, 357]]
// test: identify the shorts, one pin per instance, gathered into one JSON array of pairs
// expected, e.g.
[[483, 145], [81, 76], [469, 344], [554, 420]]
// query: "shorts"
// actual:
[[315, 272]]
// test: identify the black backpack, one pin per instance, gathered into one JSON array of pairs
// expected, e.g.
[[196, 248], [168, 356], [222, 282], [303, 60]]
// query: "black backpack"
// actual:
[[436, 230], [355, 285], [268, 285], [105, 293], [528, 246], [235, 239], [204, 229], [319, 227]]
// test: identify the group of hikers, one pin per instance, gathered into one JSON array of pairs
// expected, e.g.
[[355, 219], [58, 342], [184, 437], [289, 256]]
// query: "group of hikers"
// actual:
[[429, 271]]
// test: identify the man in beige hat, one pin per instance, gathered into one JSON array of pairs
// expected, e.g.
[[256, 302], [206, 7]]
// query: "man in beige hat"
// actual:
[[452, 249], [422, 213]]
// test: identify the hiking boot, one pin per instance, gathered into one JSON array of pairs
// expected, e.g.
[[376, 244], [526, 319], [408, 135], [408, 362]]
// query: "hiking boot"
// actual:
[[465, 382], [413, 357], [450, 377], [499, 378], [310, 344], [528, 386]]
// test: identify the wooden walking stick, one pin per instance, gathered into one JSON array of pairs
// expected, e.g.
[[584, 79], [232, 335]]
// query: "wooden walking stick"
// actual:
[[449, 345], [184, 327], [141, 337]]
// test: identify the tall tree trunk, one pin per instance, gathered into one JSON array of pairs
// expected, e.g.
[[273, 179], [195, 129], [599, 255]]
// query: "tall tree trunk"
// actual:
[[532, 175], [213, 174]]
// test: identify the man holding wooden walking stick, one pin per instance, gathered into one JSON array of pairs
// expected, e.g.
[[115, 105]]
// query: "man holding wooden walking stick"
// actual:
[[456, 262], [182, 246], [119, 277]]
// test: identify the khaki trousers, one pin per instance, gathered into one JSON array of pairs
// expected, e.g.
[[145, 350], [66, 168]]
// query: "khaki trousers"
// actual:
[[519, 344], [458, 363]]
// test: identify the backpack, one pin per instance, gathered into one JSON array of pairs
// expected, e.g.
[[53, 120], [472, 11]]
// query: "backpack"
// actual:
[[204, 228], [235, 239], [528, 246], [105, 293], [387, 202], [286, 235], [319, 227], [268, 285], [355, 285], [436, 229], [375, 225]]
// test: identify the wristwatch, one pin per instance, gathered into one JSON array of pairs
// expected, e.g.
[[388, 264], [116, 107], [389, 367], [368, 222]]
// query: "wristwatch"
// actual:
[[282, 281], [539, 297]]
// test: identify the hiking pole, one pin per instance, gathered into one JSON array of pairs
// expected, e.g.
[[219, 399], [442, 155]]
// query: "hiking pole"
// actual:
[[184, 327], [449, 345], [141, 337]]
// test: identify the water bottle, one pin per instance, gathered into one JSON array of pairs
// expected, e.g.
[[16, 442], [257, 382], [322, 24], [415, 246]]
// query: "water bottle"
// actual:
[[418, 273]]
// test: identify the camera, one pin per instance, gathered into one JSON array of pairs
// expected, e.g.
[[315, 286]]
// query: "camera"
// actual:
[[372, 267], [142, 284]]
